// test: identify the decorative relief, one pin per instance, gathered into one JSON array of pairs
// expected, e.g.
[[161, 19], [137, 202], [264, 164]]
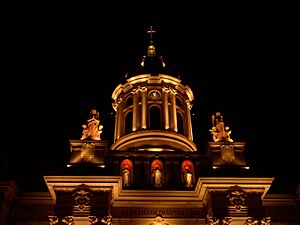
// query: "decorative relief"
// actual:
[[227, 152], [227, 221], [158, 221], [94, 220], [212, 220], [117, 103], [68, 220], [237, 198], [82, 198], [168, 89], [188, 103], [251, 221], [107, 220], [55, 220], [138, 89], [87, 151], [266, 221], [154, 95]]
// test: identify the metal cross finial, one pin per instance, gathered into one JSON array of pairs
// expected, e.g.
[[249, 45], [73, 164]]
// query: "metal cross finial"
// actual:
[[151, 31]]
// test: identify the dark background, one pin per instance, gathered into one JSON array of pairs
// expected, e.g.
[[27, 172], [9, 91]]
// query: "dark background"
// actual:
[[63, 58]]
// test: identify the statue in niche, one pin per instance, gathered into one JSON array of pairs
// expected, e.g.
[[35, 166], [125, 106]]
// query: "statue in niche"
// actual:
[[126, 170], [126, 176], [157, 177], [93, 129], [219, 131], [188, 177]]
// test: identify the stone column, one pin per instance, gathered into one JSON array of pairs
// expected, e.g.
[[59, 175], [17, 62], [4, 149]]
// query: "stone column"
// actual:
[[173, 111], [118, 107], [188, 125], [135, 109], [166, 107], [144, 108]]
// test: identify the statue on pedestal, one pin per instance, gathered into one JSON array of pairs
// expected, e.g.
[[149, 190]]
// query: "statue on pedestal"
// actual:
[[93, 129], [219, 131]]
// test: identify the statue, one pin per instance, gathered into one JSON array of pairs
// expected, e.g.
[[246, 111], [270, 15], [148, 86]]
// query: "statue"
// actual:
[[157, 177], [188, 177], [126, 177], [93, 129], [219, 131]]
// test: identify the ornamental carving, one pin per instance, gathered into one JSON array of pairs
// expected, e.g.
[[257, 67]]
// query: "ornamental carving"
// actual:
[[227, 152], [107, 220], [154, 95], [117, 103], [82, 198], [212, 221], [55, 220], [237, 198], [68, 220], [168, 89], [189, 104], [158, 221], [266, 221], [138, 89], [251, 221], [227, 221], [94, 220], [87, 151]]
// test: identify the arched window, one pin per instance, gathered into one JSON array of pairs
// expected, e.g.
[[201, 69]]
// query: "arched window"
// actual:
[[180, 123], [128, 122], [179, 102], [155, 118], [129, 101]]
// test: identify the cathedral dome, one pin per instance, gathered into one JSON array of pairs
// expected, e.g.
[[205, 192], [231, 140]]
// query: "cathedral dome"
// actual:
[[153, 109]]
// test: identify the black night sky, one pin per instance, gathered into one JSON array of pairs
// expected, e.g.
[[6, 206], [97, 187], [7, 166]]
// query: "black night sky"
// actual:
[[60, 60]]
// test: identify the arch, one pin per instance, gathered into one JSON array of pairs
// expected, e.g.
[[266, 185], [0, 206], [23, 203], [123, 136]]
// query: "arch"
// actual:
[[128, 122], [155, 118]]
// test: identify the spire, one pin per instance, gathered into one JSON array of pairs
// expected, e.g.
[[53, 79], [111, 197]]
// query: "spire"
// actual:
[[151, 60], [151, 47]]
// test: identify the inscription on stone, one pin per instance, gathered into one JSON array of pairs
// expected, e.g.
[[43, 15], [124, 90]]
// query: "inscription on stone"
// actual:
[[164, 212]]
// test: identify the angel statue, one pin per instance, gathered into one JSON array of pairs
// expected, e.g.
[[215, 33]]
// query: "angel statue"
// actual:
[[93, 129], [219, 131]]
